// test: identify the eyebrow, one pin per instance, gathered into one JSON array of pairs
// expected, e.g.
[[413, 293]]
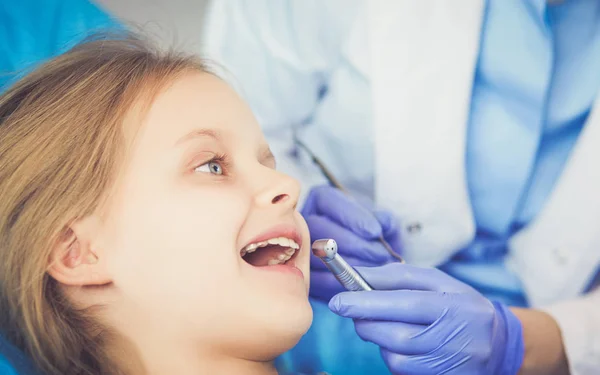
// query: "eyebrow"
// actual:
[[264, 156], [199, 133]]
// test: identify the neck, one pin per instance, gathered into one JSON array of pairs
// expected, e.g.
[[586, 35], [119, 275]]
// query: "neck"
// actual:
[[151, 359], [151, 355], [182, 364], [146, 345]]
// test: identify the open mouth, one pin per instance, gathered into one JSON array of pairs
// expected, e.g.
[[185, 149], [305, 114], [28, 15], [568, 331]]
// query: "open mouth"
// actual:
[[271, 252]]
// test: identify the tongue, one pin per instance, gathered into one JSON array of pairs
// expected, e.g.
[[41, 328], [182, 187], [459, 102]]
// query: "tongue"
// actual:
[[263, 255]]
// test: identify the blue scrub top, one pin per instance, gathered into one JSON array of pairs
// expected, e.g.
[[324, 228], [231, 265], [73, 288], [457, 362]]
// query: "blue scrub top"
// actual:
[[535, 82], [534, 86]]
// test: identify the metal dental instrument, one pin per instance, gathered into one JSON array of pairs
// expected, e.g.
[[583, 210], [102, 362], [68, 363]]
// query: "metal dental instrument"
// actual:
[[326, 250], [334, 182]]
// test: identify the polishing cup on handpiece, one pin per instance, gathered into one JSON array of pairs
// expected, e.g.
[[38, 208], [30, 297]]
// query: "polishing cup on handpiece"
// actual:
[[325, 249]]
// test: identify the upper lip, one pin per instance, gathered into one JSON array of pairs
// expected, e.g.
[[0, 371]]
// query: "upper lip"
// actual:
[[283, 230]]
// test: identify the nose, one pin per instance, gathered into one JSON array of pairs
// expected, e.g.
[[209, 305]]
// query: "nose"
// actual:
[[278, 189]]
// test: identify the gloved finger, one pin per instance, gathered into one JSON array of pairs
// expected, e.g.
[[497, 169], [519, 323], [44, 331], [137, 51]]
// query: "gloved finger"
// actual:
[[396, 276], [407, 306], [343, 210], [365, 202], [323, 285], [400, 364], [388, 223], [391, 231], [400, 338], [349, 244]]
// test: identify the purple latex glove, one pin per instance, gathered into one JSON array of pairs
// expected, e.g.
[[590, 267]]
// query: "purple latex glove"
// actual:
[[427, 322], [330, 213]]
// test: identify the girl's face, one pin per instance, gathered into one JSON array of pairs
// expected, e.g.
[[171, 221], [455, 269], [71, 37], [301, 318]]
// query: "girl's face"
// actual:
[[199, 190]]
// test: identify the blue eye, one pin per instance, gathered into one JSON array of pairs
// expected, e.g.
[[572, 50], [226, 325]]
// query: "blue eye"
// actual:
[[213, 167]]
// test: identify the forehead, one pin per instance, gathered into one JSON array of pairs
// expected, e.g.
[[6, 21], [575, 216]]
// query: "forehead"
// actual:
[[195, 101]]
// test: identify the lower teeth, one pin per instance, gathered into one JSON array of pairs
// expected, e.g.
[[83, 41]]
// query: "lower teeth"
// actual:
[[281, 258]]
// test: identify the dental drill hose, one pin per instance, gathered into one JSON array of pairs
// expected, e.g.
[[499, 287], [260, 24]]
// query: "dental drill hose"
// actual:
[[326, 250]]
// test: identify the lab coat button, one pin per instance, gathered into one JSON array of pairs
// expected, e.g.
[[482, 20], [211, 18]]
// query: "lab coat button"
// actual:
[[414, 228]]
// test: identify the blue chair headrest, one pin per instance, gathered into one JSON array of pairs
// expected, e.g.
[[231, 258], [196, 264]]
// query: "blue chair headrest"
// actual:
[[13, 361]]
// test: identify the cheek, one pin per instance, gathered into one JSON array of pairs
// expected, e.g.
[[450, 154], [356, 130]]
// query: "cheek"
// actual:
[[177, 242]]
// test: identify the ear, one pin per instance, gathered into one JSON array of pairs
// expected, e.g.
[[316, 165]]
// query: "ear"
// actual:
[[74, 260]]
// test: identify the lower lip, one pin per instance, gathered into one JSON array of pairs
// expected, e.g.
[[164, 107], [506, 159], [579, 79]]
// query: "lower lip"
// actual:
[[283, 268]]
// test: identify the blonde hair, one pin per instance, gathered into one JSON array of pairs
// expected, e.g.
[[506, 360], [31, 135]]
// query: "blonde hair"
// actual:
[[61, 142]]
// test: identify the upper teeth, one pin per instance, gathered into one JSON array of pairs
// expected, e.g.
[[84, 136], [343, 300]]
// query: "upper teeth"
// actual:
[[281, 241]]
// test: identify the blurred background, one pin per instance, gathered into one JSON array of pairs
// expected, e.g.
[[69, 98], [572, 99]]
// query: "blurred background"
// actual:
[[170, 22]]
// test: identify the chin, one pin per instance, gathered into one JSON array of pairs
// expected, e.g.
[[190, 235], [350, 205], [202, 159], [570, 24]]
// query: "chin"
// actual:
[[279, 330], [283, 338], [297, 323], [289, 317]]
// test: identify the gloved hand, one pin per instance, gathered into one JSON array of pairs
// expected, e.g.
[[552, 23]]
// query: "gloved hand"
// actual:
[[330, 213], [427, 322]]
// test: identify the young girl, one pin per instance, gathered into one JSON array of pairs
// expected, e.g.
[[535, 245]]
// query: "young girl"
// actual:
[[143, 226]]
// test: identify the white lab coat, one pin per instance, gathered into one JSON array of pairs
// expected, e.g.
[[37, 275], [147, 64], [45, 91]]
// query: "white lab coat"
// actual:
[[393, 126]]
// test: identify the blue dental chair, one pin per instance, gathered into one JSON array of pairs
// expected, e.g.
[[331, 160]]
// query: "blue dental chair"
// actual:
[[32, 31], [13, 361]]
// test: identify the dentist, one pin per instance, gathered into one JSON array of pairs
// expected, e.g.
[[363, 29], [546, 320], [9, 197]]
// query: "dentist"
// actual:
[[474, 125]]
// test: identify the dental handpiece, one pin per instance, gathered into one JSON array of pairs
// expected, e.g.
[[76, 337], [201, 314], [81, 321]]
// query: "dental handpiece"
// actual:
[[326, 250]]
